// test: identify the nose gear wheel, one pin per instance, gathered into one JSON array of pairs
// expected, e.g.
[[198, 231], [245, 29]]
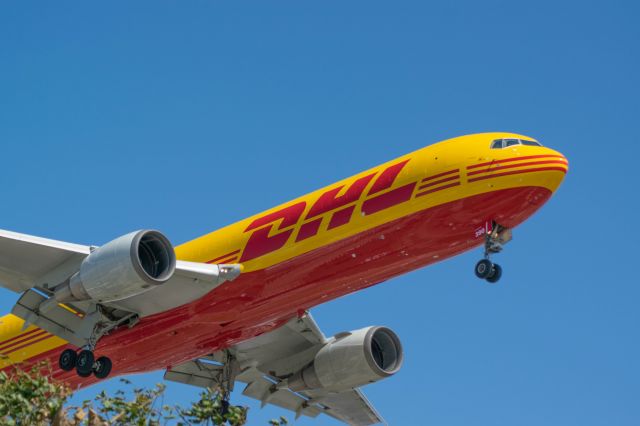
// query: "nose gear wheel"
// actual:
[[495, 238]]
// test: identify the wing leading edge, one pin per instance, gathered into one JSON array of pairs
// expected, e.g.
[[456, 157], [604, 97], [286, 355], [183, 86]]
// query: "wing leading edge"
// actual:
[[27, 261]]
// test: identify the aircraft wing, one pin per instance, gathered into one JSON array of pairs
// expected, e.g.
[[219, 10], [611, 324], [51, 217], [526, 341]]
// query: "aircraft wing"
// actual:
[[34, 266], [26, 260], [264, 363]]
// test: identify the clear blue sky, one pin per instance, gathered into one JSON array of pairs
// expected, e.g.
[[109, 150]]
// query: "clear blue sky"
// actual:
[[187, 116]]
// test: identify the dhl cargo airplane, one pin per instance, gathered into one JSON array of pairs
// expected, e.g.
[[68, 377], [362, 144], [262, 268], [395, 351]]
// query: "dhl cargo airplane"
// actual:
[[232, 305]]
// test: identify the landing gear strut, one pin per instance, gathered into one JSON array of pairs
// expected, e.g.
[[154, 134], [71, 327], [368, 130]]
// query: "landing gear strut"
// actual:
[[495, 238], [85, 363], [227, 380]]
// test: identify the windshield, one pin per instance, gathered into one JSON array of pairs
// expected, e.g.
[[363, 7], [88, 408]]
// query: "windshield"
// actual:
[[504, 143]]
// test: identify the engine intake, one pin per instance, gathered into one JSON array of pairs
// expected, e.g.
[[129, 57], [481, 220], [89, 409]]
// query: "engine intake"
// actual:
[[352, 360], [124, 267]]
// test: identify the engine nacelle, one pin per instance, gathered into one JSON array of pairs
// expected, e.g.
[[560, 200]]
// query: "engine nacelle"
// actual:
[[124, 267], [352, 360]]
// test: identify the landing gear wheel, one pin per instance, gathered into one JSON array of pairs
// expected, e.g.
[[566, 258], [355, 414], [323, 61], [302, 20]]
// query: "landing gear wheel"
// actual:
[[84, 363], [67, 361], [495, 238], [495, 275], [102, 367], [483, 268]]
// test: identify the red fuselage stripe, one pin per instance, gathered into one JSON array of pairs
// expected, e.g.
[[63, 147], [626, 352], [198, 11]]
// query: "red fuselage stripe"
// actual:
[[420, 194], [515, 172], [35, 330], [440, 175], [509, 160], [33, 342], [229, 260], [224, 256], [24, 338], [511, 166], [438, 182]]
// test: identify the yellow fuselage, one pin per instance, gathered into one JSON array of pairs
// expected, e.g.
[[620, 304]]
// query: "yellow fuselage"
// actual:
[[437, 175]]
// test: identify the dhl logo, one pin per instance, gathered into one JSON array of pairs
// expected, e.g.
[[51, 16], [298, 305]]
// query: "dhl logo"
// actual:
[[273, 231]]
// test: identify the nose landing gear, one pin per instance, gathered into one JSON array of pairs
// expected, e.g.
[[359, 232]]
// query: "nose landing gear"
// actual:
[[495, 238], [487, 270], [85, 363]]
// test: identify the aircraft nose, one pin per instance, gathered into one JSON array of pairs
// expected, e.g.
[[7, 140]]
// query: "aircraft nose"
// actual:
[[557, 163]]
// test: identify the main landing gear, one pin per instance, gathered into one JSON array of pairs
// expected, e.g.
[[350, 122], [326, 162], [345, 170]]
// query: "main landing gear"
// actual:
[[495, 238], [85, 363]]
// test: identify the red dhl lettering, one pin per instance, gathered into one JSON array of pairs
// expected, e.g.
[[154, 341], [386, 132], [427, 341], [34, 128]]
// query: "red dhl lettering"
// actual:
[[330, 200], [267, 239], [261, 241]]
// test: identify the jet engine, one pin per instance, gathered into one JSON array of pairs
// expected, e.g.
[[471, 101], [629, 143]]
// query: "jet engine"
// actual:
[[351, 360], [124, 267]]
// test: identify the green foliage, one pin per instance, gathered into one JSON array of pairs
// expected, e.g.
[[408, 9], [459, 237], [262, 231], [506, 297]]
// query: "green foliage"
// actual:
[[208, 411], [31, 397], [145, 408]]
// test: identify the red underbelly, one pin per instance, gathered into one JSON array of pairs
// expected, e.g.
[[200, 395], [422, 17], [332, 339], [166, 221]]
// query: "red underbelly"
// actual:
[[259, 301]]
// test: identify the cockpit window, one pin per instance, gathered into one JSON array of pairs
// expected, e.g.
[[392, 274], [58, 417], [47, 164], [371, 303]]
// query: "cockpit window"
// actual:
[[497, 144], [504, 143]]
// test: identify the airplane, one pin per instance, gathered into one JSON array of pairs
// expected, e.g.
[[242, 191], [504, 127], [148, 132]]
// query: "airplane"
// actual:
[[233, 305]]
